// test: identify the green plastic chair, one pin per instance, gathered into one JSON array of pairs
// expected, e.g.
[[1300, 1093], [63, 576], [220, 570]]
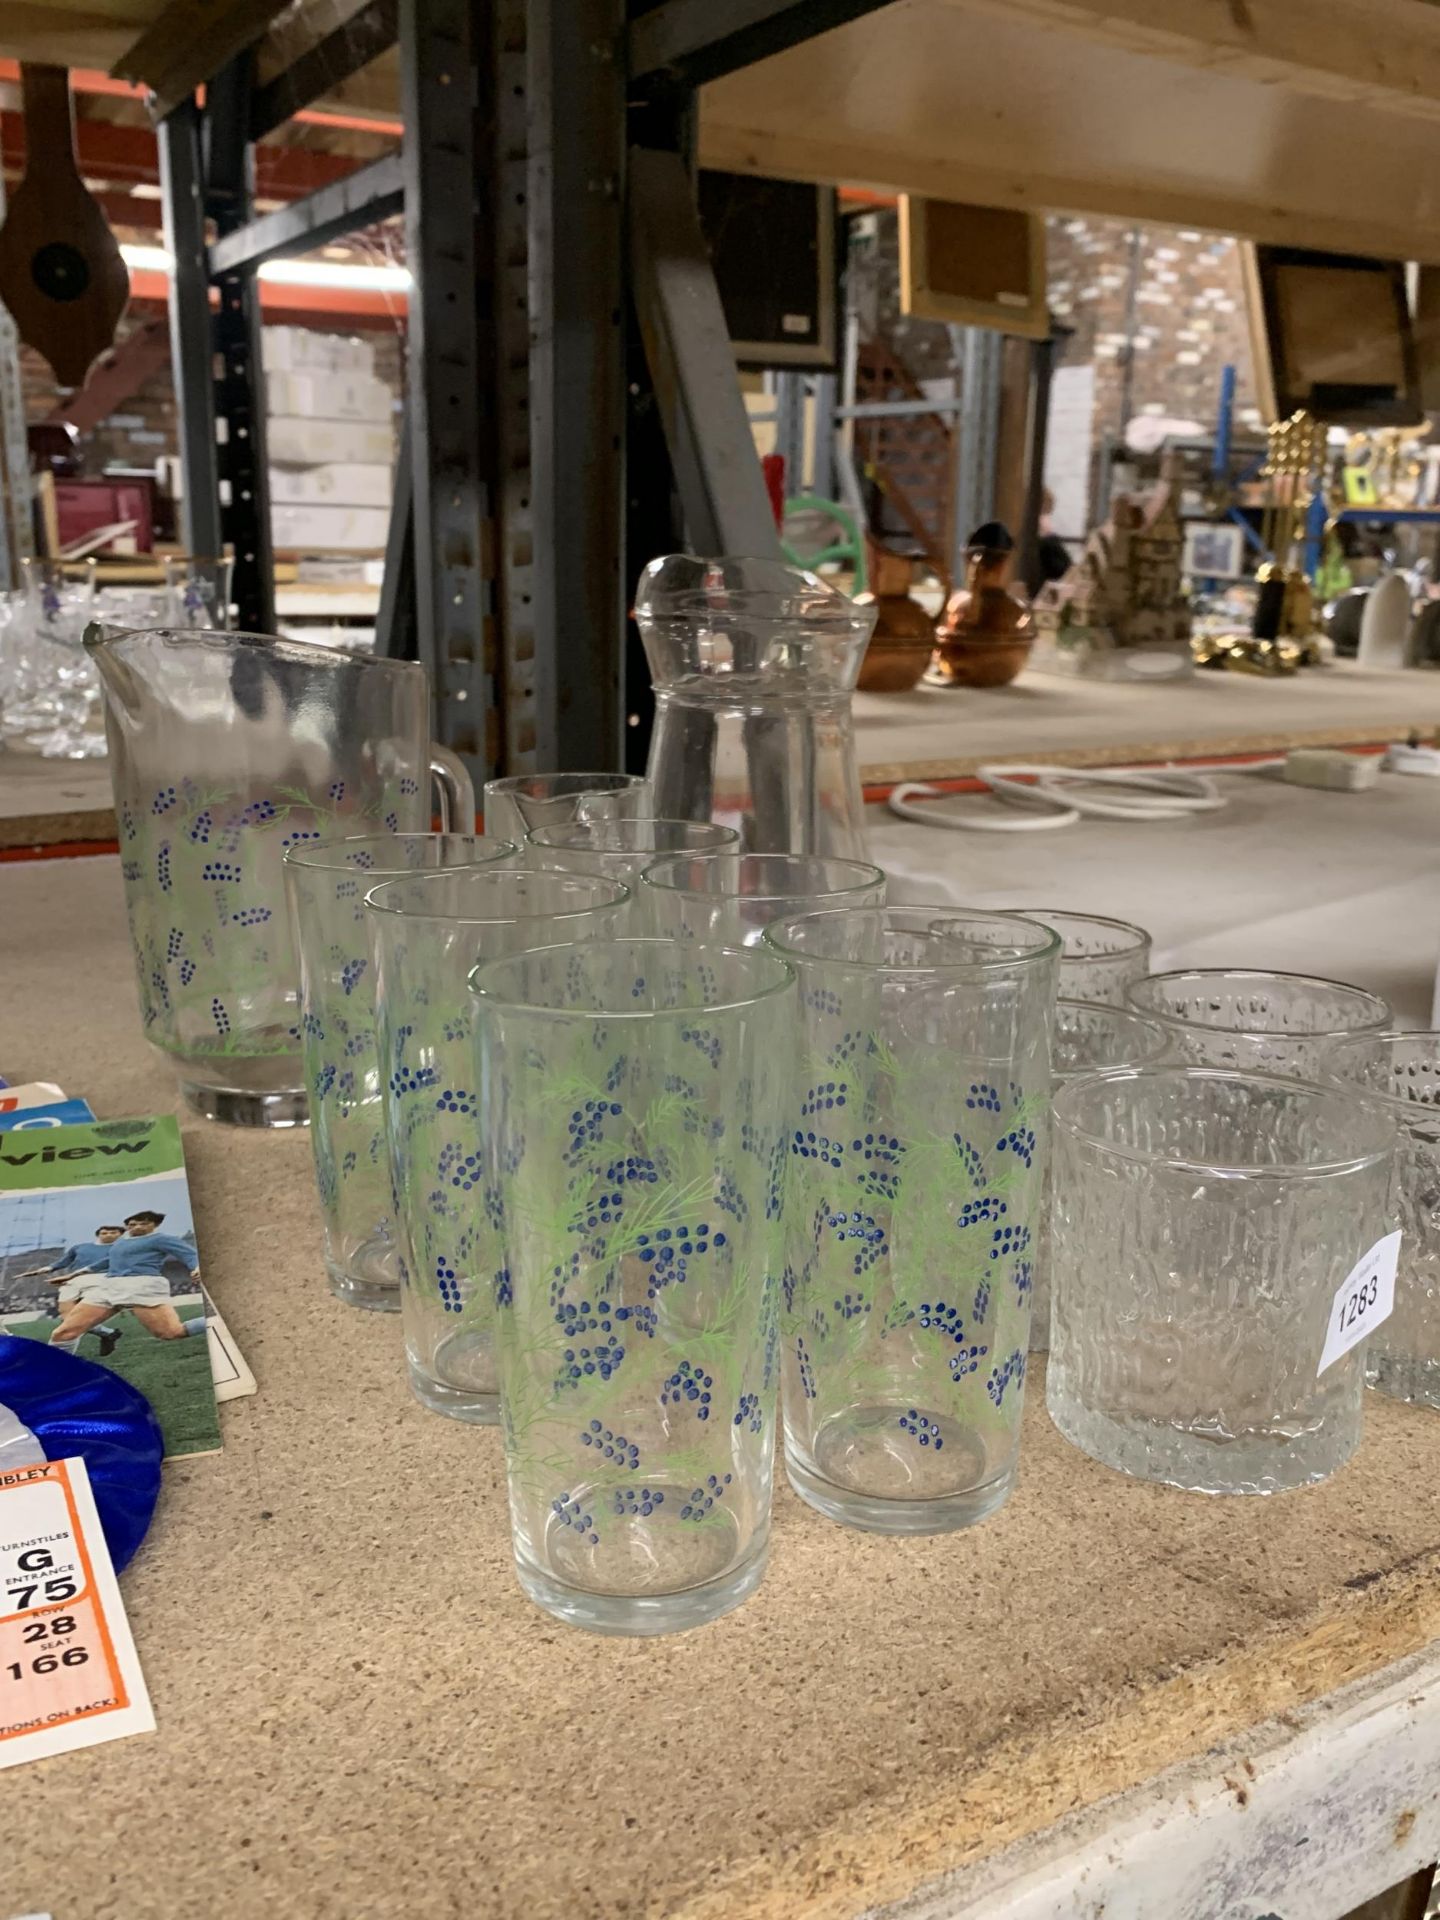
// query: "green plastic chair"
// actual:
[[851, 548]]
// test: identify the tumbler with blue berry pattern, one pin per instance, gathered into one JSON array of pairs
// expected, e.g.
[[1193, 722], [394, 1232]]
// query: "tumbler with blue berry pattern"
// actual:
[[633, 1106], [917, 1140], [325, 883], [427, 933]]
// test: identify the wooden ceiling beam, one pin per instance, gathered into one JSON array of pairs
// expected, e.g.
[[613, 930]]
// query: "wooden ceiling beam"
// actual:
[[108, 150], [972, 100], [190, 41], [1383, 54]]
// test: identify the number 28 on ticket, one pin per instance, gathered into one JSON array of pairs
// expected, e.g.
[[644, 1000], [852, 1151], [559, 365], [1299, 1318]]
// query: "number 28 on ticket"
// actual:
[[69, 1674]]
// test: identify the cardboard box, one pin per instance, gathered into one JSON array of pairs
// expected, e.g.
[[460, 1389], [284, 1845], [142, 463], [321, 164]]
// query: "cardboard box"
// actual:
[[338, 484], [330, 396], [315, 443], [302, 349], [322, 528]]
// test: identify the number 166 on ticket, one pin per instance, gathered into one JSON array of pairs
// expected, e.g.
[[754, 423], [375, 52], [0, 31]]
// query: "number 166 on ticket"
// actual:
[[69, 1675]]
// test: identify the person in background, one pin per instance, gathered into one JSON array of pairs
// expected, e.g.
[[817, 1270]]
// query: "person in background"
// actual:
[[1052, 556]]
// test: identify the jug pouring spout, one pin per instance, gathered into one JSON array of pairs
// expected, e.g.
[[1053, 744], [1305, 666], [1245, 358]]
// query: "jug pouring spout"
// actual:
[[119, 682]]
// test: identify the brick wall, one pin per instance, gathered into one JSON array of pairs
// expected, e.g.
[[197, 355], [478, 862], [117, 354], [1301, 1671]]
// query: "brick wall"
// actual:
[[1185, 322], [140, 430]]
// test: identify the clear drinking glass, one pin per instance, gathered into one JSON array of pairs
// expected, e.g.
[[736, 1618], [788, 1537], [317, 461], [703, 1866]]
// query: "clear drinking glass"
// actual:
[[1203, 1222], [227, 749], [622, 849], [1089, 1037], [325, 883], [1099, 958], [426, 936], [199, 590], [1403, 1071], [52, 696], [633, 1105], [733, 901], [524, 800], [1258, 1022], [917, 1151], [754, 665]]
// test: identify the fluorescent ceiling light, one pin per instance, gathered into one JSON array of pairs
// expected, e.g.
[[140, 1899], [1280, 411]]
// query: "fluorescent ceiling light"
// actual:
[[146, 259], [289, 273], [320, 273]]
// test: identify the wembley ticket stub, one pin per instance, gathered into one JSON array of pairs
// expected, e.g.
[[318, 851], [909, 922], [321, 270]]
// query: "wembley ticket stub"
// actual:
[[69, 1673]]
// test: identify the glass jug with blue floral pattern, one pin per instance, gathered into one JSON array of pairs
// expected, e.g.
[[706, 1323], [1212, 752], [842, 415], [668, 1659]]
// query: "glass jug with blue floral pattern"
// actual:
[[226, 749]]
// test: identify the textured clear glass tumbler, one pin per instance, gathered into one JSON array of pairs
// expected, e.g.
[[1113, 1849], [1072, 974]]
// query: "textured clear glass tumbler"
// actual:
[[733, 901], [520, 801], [1203, 1222], [1089, 1036], [1099, 957], [326, 882], [427, 934], [622, 849], [1402, 1356], [633, 1105], [1257, 1022], [917, 1149]]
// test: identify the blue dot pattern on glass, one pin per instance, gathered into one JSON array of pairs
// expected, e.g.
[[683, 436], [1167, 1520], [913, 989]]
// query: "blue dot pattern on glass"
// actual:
[[983, 1097], [922, 1429], [823, 1097], [1011, 1369], [749, 1413], [570, 1513], [689, 1384], [703, 1499], [636, 1502], [609, 1445], [815, 1146], [947, 1321], [1021, 1142]]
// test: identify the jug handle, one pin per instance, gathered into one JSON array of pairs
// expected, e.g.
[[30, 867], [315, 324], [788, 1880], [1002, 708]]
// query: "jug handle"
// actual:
[[454, 789]]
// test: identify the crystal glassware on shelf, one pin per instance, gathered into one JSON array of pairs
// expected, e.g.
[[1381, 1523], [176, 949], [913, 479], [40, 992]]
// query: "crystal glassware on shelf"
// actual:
[[1099, 958], [916, 1141], [325, 885], [1204, 1221], [754, 666], [226, 750], [733, 901], [427, 934], [520, 801], [50, 703], [1089, 1037], [1259, 1022], [622, 849], [1403, 1071], [198, 590], [633, 1115]]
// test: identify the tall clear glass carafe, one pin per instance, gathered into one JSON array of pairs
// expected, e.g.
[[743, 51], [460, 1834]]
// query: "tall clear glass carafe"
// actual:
[[226, 749], [754, 664]]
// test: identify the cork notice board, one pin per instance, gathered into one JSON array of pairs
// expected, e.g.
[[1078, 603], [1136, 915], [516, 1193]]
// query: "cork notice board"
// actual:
[[973, 266]]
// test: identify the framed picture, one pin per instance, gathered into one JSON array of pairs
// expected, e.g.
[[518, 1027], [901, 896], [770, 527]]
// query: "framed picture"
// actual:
[[1214, 550]]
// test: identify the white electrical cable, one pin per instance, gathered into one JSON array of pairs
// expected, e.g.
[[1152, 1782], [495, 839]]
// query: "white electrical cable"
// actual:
[[1051, 797]]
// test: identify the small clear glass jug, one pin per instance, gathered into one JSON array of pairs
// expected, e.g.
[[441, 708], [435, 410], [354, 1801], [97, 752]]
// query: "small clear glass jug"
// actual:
[[754, 665], [226, 749]]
